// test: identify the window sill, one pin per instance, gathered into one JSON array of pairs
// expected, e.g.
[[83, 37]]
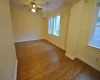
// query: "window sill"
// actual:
[[94, 47], [53, 35]]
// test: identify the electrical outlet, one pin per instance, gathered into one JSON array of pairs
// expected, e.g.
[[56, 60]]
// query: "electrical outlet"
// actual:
[[97, 59]]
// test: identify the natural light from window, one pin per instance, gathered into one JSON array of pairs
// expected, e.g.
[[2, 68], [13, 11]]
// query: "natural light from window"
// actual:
[[50, 25], [95, 38], [54, 25]]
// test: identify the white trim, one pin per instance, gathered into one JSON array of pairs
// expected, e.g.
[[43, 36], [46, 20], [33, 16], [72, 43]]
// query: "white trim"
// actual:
[[15, 75], [98, 48], [94, 21], [24, 40], [89, 63], [93, 48], [70, 56]]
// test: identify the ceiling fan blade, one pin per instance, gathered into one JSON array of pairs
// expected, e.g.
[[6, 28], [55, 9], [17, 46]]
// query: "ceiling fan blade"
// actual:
[[39, 8]]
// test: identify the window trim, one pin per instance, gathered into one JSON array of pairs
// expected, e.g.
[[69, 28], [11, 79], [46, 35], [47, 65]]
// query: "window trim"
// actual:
[[53, 24], [96, 10], [56, 25], [49, 25]]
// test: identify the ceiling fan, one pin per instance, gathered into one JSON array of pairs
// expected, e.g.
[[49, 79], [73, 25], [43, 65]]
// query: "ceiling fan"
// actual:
[[33, 7]]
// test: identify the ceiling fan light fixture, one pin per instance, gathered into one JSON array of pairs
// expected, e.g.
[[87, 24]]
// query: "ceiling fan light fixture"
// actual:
[[33, 10], [34, 5]]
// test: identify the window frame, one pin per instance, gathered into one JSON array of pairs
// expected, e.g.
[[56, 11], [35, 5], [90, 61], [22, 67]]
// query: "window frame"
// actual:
[[53, 25], [95, 18], [50, 25]]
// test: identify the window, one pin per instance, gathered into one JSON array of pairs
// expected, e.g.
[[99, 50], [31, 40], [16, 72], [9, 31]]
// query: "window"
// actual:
[[56, 28], [50, 25], [95, 36], [54, 25]]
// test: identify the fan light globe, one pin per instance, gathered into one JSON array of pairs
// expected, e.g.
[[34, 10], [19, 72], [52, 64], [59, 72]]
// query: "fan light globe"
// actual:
[[33, 10], [34, 5]]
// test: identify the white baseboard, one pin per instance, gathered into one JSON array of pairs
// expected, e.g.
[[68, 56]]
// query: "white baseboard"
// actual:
[[89, 63], [71, 57], [15, 75], [25, 40]]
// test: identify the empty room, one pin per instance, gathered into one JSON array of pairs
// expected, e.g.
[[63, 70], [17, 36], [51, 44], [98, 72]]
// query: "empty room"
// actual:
[[50, 40]]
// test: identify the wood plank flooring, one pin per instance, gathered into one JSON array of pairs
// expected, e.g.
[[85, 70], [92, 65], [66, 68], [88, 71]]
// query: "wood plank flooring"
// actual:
[[40, 60]]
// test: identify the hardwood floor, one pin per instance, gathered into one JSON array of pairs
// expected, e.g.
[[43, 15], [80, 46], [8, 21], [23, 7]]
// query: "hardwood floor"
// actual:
[[40, 60]]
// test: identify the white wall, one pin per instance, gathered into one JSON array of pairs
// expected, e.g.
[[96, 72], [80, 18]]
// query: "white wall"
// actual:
[[84, 52], [59, 41], [26, 25], [75, 24], [7, 50]]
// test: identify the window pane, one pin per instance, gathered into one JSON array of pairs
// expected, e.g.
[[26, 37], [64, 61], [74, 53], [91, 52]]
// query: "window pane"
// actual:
[[50, 25], [56, 29], [96, 37], [58, 19], [98, 20]]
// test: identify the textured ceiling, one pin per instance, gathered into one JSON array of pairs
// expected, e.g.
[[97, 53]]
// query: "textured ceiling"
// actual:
[[53, 4]]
